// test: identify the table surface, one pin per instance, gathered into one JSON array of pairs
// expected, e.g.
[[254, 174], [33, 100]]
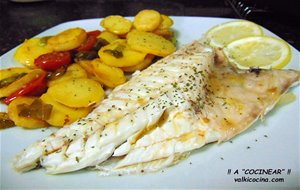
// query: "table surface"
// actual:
[[21, 21]]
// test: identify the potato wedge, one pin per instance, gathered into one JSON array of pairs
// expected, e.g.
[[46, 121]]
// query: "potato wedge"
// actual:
[[107, 75], [150, 43], [63, 115], [147, 20], [144, 64], [30, 50], [108, 36], [18, 84], [26, 122], [119, 54], [77, 92], [116, 24], [73, 71], [68, 39]]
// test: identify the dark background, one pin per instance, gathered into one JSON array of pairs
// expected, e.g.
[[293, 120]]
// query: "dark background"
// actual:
[[19, 21]]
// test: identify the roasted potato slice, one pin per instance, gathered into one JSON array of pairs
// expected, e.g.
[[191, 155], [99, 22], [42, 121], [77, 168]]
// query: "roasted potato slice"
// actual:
[[108, 36], [166, 23], [31, 49], [144, 64], [150, 43], [107, 75], [26, 122], [77, 92], [119, 54], [87, 66], [73, 71], [116, 24], [18, 84], [6, 73], [164, 29], [63, 115], [147, 20], [68, 39]]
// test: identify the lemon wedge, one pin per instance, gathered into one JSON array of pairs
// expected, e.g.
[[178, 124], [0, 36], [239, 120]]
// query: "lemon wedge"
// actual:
[[222, 34], [260, 52]]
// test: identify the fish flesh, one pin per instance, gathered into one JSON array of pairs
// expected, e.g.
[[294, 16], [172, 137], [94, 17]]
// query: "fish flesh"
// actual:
[[130, 108], [179, 104], [235, 100]]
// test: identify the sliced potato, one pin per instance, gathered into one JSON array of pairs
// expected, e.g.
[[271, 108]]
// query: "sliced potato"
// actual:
[[147, 20], [108, 36], [166, 23], [30, 50], [87, 66], [166, 33], [119, 54], [164, 29], [116, 24], [77, 92], [150, 43], [63, 115], [107, 75], [73, 71], [68, 39], [26, 122], [144, 64], [5, 73], [18, 84]]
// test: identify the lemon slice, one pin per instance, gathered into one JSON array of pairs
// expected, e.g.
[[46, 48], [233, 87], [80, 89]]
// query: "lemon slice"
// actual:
[[223, 34], [259, 52]]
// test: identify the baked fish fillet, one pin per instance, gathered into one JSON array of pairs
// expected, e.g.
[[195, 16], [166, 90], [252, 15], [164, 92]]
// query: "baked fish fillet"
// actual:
[[235, 99], [171, 83]]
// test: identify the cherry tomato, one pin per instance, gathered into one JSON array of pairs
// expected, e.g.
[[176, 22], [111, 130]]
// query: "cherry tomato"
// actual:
[[89, 43], [34, 88], [53, 61]]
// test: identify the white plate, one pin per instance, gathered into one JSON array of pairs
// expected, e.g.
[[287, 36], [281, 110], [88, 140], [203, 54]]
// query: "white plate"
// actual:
[[271, 144]]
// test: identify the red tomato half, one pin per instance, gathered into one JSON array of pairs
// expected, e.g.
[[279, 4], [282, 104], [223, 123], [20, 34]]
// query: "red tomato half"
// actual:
[[34, 88], [53, 61], [89, 43]]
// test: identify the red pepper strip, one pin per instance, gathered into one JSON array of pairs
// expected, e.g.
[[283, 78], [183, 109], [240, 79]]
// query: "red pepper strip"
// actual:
[[40, 89], [89, 43], [37, 85]]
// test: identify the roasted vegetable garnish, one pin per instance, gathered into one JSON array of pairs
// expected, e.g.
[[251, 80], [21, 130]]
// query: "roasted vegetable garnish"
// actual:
[[18, 84], [37, 109], [24, 119], [86, 55], [120, 54], [5, 122], [11, 79], [100, 43], [69, 69], [114, 52]]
